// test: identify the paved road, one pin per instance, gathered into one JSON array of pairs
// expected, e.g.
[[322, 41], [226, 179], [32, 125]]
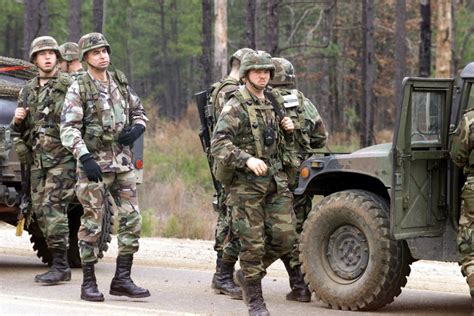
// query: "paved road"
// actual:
[[180, 292], [178, 274]]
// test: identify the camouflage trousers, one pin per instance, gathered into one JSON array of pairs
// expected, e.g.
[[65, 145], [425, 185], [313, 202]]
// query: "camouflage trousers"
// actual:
[[302, 205], [92, 197], [52, 190], [465, 239], [263, 220], [226, 245]]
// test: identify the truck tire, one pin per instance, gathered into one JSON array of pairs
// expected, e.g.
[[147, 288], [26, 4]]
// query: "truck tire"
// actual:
[[347, 255]]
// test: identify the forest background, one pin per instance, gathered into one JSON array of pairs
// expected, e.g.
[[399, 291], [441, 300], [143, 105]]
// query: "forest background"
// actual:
[[350, 57]]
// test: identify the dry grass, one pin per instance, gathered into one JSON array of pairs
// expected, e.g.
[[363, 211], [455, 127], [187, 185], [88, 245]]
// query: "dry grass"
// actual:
[[176, 195], [177, 191]]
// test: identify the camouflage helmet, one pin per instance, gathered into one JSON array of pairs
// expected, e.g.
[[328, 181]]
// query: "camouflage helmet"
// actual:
[[239, 54], [284, 72], [256, 60], [69, 51], [43, 43], [92, 41]]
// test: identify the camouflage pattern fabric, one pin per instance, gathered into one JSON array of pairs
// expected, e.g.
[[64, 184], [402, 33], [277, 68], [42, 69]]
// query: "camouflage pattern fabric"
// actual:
[[69, 51], [77, 74], [261, 212], [220, 95], [52, 190], [40, 128], [102, 120], [92, 196], [91, 121], [310, 134], [53, 170], [463, 156]]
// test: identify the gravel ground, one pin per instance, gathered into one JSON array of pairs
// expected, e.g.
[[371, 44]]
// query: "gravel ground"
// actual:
[[199, 254]]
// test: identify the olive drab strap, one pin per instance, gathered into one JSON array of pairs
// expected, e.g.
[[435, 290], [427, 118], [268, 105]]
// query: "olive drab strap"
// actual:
[[122, 83], [300, 110], [216, 89], [245, 99]]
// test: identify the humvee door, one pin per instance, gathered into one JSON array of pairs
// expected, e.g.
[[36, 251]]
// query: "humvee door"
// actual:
[[420, 154]]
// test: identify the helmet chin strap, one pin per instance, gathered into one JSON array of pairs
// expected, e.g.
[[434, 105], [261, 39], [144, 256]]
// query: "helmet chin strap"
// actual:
[[258, 88]]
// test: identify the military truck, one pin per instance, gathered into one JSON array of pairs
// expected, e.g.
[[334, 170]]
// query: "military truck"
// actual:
[[387, 205], [13, 75]]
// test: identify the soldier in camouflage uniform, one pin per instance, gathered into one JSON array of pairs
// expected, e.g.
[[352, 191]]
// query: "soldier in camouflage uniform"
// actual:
[[309, 134], [223, 281], [250, 145], [462, 153], [101, 119], [52, 176], [69, 61]]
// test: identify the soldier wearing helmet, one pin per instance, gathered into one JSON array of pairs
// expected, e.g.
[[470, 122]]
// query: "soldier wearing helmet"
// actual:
[[251, 145], [51, 167], [309, 134], [69, 61], [101, 119], [223, 281]]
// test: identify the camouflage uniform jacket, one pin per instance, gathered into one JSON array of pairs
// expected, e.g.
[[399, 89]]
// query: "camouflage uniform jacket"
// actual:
[[238, 136], [222, 91], [93, 116], [40, 128], [463, 143], [310, 132]]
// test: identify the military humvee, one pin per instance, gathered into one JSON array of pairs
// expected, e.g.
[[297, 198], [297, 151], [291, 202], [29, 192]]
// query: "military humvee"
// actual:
[[387, 205], [13, 75]]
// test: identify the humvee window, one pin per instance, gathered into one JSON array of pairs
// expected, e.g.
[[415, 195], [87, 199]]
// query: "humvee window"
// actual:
[[426, 109]]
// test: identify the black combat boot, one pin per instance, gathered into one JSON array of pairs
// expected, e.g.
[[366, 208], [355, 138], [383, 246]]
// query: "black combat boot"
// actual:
[[59, 270], [299, 290], [223, 281], [122, 284], [218, 267], [89, 289], [252, 293]]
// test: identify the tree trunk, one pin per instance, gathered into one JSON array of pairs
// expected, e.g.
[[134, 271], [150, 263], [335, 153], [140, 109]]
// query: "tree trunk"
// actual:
[[272, 27], [43, 28], [74, 20], [98, 15], [368, 72], [425, 38], [400, 48], [30, 25], [206, 60], [250, 25], [443, 40], [220, 38]]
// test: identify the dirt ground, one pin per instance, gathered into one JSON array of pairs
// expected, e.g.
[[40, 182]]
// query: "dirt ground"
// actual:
[[199, 254]]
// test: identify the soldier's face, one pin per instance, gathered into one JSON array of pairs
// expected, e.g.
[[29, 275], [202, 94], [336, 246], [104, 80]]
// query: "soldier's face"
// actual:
[[98, 58], [259, 77], [63, 65], [46, 60]]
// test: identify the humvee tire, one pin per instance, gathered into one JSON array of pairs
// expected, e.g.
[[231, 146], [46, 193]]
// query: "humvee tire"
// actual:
[[347, 255]]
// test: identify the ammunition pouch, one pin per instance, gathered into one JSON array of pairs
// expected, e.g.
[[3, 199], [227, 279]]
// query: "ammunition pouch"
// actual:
[[23, 151]]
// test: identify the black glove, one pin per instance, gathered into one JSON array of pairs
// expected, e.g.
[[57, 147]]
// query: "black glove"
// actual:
[[130, 134], [91, 168]]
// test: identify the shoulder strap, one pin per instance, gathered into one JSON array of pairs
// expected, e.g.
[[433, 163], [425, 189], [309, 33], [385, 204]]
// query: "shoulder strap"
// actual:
[[246, 101], [122, 82], [274, 103]]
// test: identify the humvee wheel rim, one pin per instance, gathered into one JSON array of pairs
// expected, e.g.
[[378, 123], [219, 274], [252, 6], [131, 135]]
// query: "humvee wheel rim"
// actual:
[[347, 253]]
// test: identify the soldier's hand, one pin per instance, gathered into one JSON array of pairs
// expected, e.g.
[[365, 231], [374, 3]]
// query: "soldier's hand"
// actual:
[[20, 114], [259, 167], [287, 124], [91, 168]]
